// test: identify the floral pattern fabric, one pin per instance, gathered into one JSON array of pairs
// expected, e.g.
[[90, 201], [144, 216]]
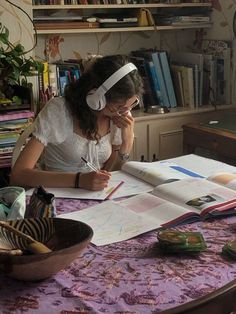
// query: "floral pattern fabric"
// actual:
[[127, 277]]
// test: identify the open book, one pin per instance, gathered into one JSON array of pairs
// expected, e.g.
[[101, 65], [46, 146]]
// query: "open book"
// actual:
[[134, 178], [141, 177], [170, 204], [138, 177]]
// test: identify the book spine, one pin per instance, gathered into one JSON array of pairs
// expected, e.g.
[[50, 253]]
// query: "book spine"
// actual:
[[156, 83], [54, 79], [16, 115], [167, 78], [6, 150], [157, 65]]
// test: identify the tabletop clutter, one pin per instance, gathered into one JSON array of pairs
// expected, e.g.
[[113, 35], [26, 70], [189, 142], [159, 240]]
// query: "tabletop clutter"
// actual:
[[35, 244], [31, 237]]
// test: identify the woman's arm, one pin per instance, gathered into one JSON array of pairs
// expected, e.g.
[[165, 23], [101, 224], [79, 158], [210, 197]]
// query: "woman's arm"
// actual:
[[113, 163], [25, 173], [126, 124]]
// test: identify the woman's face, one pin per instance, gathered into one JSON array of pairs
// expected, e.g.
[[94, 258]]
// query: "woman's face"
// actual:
[[120, 108]]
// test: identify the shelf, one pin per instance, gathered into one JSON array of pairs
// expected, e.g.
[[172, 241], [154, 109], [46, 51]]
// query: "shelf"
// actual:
[[14, 107], [119, 6], [139, 115], [123, 29]]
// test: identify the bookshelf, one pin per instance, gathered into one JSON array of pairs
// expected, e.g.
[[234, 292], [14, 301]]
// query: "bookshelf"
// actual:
[[90, 9], [155, 134]]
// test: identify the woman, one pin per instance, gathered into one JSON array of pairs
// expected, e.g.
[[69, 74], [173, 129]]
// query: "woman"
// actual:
[[92, 122]]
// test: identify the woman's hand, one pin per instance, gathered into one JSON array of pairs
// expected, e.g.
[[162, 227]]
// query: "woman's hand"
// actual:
[[95, 180], [126, 124]]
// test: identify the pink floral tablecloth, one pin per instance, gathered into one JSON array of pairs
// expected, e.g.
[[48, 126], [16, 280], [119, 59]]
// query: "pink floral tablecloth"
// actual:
[[128, 277]]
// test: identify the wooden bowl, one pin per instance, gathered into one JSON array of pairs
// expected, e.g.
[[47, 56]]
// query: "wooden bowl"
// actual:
[[65, 237]]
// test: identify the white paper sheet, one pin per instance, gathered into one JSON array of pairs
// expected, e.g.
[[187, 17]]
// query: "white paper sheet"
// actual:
[[112, 222]]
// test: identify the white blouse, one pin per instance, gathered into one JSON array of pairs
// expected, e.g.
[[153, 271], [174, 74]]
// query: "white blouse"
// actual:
[[64, 148]]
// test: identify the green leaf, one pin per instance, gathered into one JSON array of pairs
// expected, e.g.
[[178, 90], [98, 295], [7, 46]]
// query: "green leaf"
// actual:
[[4, 39]]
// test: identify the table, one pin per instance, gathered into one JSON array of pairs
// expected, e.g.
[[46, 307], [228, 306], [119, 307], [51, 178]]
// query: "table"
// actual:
[[127, 277], [219, 138]]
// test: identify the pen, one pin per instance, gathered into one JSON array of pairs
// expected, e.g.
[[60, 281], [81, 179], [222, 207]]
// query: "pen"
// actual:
[[91, 166]]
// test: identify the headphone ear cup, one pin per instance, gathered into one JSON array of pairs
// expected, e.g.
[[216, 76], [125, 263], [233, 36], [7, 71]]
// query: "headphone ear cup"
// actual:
[[90, 99], [102, 102], [94, 102]]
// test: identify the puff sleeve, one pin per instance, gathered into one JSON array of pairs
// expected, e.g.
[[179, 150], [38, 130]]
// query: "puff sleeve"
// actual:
[[54, 122]]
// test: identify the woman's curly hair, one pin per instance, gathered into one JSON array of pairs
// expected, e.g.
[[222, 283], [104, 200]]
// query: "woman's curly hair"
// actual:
[[100, 70]]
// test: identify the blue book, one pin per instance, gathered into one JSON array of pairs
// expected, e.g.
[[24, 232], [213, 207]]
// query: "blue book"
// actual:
[[156, 83], [167, 78], [150, 83], [63, 83], [158, 69]]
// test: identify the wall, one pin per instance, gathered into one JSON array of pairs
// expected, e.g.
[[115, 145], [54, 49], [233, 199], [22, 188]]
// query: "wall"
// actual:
[[19, 25], [80, 45]]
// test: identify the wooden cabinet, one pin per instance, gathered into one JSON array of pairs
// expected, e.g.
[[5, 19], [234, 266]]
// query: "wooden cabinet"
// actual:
[[140, 147], [161, 136]]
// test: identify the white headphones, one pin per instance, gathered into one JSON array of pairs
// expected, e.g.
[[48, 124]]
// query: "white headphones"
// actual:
[[96, 99]]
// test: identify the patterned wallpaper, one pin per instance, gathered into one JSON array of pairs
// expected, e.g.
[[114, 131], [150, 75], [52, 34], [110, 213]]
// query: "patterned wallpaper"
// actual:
[[17, 22], [74, 46]]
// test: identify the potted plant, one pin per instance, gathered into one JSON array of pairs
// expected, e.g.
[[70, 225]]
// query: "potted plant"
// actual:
[[15, 67]]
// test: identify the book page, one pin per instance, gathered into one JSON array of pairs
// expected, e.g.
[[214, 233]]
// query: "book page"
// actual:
[[154, 173], [226, 179], [75, 193], [112, 222], [131, 185], [202, 165], [200, 194], [158, 209]]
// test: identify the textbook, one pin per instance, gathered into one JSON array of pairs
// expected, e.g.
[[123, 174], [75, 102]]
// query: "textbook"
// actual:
[[134, 178], [138, 177], [170, 204]]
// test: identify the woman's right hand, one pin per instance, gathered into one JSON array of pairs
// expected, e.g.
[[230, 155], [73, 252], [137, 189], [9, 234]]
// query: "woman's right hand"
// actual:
[[95, 180]]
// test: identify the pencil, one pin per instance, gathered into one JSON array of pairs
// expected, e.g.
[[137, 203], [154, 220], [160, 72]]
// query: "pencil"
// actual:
[[114, 190]]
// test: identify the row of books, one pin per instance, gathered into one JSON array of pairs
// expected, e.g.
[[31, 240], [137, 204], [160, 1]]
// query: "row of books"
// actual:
[[186, 79], [182, 19], [155, 70], [182, 15], [12, 124], [55, 77]]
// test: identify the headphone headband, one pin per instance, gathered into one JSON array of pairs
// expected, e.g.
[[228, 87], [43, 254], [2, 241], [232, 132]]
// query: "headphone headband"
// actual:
[[115, 77], [95, 98]]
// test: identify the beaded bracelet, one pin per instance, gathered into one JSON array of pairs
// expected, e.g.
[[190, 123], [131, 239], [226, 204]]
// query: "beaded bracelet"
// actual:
[[77, 180]]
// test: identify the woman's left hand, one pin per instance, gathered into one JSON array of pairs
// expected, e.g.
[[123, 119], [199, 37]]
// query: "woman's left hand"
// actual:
[[126, 124]]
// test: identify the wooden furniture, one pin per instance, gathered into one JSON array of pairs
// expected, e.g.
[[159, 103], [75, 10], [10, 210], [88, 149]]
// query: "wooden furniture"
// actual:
[[221, 142], [89, 9], [221, 301], [160, 136]]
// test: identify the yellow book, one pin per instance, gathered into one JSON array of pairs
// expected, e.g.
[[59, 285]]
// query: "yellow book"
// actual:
[[45, 76]]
